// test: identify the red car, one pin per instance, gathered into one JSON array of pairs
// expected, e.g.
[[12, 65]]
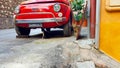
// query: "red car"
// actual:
[[44, 14]]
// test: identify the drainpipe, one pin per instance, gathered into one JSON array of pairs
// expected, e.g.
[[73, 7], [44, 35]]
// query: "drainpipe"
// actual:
[[98, 2], [88, 18], [92, 18]]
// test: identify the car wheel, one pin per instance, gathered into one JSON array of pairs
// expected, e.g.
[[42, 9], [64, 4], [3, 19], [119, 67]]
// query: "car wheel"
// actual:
[[67, 30], [22, 31]]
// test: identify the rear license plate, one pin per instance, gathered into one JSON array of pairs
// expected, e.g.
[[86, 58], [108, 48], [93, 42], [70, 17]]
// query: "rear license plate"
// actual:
[[35, 25]]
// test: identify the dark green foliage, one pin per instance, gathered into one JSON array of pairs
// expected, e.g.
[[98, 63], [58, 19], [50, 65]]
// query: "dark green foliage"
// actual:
[[78, 16], [77, 6]]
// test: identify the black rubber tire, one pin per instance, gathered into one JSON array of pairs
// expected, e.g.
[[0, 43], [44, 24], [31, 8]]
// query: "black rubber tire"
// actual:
[[22, 31], [67, 29]]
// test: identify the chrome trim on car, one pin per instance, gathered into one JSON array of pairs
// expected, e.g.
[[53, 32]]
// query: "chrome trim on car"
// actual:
[[41, 20], [37, 13]]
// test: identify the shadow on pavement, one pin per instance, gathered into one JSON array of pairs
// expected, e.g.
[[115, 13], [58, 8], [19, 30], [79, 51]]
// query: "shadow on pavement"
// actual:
[[52, 34]]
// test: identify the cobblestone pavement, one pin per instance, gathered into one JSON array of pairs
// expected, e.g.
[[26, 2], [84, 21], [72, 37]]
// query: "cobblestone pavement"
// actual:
[[53, 52]]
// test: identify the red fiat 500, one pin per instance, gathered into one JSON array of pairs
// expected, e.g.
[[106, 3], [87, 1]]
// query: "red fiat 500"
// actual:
[[43, 14]]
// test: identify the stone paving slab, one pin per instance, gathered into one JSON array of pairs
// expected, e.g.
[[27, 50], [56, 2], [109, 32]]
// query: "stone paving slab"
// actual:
[[86, 64]]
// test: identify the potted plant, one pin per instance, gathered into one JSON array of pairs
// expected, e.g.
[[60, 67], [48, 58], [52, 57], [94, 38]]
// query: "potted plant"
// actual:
[[79, 10]]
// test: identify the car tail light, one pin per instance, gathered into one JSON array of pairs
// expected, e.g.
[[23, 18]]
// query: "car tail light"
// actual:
[[57, 7], [17, 9]]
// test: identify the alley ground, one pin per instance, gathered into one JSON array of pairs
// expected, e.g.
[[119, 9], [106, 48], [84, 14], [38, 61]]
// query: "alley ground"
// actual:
[[54, 52]]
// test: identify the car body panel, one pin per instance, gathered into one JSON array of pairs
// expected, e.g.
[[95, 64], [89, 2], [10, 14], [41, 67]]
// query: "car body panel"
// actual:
[[42, 12], [45, 1]]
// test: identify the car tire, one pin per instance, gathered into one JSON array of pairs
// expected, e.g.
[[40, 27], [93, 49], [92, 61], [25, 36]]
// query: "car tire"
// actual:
[[67, 29], [22, 31]]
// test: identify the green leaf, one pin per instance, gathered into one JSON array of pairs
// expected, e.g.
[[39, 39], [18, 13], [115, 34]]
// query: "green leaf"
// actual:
[[78, 17]]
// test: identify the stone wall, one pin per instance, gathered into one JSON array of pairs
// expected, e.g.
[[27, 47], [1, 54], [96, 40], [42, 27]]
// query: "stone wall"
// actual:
[[6, 23], [6, 12]]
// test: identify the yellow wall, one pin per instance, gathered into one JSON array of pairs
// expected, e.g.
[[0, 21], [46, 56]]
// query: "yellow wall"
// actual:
[[110, 30]]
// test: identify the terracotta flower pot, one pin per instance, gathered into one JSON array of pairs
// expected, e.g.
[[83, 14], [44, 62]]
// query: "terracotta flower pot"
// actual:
[[84, 23]]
